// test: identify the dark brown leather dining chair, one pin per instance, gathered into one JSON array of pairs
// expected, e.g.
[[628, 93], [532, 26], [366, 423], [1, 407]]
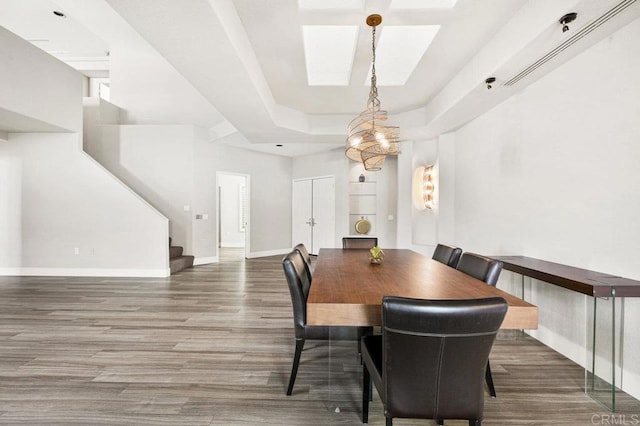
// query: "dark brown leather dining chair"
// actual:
[[487, 270], [306, 257], [359, 242], [480, 267], [299, 283], [447, 254], [429, 361]]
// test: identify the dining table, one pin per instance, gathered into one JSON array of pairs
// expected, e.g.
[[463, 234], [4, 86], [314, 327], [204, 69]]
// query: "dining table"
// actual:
[[347, 288]]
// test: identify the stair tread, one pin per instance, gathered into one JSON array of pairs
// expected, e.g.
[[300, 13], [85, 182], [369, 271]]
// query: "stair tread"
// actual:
[[177, 260], [175, 251], [177, 264]]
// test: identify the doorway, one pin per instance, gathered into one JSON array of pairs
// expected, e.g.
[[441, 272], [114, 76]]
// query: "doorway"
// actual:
[[233, 227], [314, 213]]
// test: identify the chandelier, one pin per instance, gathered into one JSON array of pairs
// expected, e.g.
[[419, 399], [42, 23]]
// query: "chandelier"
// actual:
[[369, 140]]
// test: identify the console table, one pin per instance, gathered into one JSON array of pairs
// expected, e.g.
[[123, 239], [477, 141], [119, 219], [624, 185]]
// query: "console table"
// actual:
[[598, 285]]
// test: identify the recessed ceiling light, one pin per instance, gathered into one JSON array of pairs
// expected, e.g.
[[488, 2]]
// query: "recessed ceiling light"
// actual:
[[328, 53], [399, 51], [60, 14]]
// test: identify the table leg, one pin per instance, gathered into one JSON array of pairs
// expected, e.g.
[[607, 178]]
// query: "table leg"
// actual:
[[600, 381]]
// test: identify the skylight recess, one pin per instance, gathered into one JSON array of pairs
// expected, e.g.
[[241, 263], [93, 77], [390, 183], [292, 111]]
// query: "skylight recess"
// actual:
[[399, 50], [422, 4], [331, 4], [329, 51]]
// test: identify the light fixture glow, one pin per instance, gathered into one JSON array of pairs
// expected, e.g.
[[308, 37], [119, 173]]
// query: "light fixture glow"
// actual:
[[424, 188], [367, 127]]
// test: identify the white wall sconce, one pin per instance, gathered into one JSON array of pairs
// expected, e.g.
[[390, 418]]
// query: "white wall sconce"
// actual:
[[424, 188]]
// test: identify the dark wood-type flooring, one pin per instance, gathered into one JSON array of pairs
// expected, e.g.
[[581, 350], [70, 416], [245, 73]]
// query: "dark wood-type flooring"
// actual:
[[212, 345]]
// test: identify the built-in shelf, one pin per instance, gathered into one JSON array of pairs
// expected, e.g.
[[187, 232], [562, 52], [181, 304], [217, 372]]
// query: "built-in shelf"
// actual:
[[362, 200]]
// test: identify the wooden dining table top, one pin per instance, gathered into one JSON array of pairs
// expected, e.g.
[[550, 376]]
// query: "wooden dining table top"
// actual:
[[347, 289]]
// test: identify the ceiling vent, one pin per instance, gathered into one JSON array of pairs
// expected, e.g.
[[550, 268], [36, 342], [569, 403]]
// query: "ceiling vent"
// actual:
[[583, 32]]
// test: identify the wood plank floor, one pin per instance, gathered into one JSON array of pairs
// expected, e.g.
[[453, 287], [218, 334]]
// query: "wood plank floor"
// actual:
[[212, 345]]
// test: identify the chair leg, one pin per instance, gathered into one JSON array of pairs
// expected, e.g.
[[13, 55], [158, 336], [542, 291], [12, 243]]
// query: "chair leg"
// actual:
[[296, 362], [363, 331], [389, 421], [366, 394], [489, 379], [475, 422], [440, 422]]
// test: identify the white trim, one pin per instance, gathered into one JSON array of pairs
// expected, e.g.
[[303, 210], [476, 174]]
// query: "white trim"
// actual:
[[266, 253], [124, 185], [205, 260], [247, 231], [232, 245], [85, 272], [314, 177]]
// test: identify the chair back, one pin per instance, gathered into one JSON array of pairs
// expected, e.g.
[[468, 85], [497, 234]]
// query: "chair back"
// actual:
[[447, 254], [299, 286], [480, 267], [435, 353], [359, 242], [304, 252], [306, 257]]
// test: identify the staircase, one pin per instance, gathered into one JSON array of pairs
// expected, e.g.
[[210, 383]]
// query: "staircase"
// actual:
[[177, 261]]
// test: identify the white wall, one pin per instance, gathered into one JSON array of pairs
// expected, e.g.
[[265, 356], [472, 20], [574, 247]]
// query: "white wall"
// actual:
[[36, 89], [334, 163], [58, 199], [173, 166], [157, 162], [552, 173], [62, 213], [270, 189], [150, 91]]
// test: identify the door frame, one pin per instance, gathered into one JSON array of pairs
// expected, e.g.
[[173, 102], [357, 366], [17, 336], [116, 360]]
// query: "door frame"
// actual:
[[293, 181], [247, 231]]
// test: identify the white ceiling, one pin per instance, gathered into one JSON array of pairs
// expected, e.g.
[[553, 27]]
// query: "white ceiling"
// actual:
[[246, 57]]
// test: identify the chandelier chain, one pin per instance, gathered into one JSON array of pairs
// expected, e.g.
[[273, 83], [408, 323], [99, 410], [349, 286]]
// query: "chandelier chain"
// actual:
[[373, 92]]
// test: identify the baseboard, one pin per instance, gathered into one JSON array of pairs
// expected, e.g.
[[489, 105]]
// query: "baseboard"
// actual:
[[84, 272], [232, 245], [205, 260], [266, 253]]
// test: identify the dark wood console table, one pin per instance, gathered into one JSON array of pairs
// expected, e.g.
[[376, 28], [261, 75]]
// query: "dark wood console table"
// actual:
[[600, 286], [591, 283]]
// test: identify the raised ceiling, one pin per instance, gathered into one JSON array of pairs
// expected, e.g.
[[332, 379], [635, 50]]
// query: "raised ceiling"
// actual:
[[247, 57]]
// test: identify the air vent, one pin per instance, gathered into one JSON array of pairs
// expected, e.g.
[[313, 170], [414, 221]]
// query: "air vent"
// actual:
[[583, 32]]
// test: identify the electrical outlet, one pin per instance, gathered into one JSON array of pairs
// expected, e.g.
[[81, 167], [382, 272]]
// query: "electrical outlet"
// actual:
[[76, 250]]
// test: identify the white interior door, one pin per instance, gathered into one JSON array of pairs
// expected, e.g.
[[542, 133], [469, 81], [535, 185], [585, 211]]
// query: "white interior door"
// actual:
[[302, 213], [313, 213], [324, 214]]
